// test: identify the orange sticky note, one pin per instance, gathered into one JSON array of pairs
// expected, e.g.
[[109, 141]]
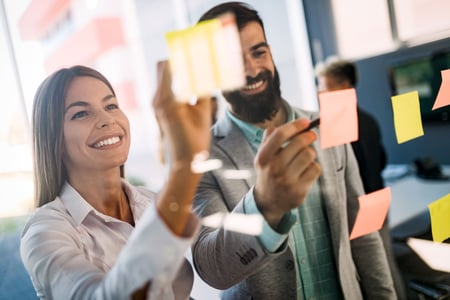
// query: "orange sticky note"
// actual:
[[373, 209], [338, 117], [443, 97], [440, 218], [407, 118]]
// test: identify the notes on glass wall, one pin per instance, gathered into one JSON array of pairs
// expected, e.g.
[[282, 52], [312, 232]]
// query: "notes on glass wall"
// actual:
[[206, 58], [338, 117], [373, 209], [443, 96], [247, 224], [407, 119], [440, 218], [435, 255]]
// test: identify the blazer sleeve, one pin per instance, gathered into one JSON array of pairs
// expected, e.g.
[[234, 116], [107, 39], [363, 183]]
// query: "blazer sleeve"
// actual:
[[367, 251], [223, 258]]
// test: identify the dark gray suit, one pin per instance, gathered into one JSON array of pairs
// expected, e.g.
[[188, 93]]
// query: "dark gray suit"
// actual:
[[239, 264]]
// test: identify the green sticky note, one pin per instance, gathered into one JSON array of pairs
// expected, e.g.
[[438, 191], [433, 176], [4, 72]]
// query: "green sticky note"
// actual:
[[407, 118], [440, 218]]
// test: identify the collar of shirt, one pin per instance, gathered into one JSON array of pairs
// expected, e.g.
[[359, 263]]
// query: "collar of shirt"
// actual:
[[79, 208], [253, 134]]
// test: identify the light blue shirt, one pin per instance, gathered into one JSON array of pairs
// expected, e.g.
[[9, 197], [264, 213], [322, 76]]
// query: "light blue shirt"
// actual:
[[270, 238], [310, 238]]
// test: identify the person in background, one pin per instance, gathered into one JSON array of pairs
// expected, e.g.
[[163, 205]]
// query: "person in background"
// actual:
[[308, 197], [369, 151], [94, 235]]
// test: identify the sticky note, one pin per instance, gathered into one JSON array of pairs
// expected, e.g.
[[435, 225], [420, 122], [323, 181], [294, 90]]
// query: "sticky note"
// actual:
[[435, 255], [443, 96], [407, 118], [242, 223], [373, 209], [338, 117], [440, 218], [206, 58]]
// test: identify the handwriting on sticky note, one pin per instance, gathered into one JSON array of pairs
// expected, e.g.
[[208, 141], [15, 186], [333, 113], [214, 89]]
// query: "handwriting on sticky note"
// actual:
[[443, 96], [435, 255], [206, 58], [373, 209], [407, 118], [440, 218], [339, 118]]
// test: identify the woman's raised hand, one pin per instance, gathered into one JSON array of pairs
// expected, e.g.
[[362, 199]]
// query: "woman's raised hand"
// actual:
[[186, 126]]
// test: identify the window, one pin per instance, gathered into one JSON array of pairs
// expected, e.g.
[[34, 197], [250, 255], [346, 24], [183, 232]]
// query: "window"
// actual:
[[422, 20], [362, 27], [365, 28]]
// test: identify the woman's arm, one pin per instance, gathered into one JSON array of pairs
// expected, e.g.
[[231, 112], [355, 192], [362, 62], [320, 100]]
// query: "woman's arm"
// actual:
[[55, 258], [187, 128]]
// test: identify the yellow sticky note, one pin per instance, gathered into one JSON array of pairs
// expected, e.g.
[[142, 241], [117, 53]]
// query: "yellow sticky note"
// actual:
[[338, 117], [440, 218], [206, 58], [182, 84], [407, 119], [443, 97], [373, 209]]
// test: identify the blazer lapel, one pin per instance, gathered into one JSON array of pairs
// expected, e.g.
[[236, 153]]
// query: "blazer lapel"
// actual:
[[328, 181], [229, 138], [332, 195]]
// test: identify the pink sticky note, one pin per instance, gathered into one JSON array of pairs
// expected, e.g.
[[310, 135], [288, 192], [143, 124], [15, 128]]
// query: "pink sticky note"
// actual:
[[338, 117], [443, 97], [373, 209]]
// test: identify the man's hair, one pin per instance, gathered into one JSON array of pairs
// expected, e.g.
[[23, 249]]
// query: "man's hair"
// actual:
[[341, 70], [243, 13]]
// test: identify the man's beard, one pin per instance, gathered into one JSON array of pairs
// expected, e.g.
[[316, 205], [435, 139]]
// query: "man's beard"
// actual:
[[259, 107]]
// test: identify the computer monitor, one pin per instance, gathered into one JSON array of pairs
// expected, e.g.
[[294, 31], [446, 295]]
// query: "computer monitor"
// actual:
[[422, 74]]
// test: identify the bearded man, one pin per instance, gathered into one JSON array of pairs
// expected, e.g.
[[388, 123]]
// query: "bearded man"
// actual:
[[308, 197]]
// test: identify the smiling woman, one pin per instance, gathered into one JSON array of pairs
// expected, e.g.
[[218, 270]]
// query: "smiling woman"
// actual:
[[94, 234]]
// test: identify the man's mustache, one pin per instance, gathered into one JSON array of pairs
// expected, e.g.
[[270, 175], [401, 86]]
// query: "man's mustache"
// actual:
[[265, 75]]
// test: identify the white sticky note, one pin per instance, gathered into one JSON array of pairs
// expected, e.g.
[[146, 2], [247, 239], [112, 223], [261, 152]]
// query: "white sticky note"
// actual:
[[237, 174], [242, 223], [435, 255], [198, 166], [228, 51]]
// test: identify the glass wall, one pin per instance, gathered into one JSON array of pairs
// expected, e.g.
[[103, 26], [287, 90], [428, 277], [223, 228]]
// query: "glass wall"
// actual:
[[124, 40], [422, 20], [362, 27]]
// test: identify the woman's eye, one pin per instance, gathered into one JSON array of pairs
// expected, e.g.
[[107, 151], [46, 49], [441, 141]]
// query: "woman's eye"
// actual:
[[79, 115]]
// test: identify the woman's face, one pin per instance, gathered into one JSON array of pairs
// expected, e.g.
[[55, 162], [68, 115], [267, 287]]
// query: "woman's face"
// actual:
[[96, 133]]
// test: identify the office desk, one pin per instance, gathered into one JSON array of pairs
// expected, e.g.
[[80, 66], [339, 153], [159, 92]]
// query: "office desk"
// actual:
[[411, 194]]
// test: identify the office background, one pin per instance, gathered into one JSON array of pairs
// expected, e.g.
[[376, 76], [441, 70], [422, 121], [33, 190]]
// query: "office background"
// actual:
[[125, 38]]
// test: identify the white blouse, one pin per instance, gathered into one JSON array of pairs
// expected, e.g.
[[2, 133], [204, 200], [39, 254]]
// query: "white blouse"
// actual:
[[72, 251]]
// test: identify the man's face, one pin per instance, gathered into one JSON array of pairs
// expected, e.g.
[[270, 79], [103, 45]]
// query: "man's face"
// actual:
[[260, 99]]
